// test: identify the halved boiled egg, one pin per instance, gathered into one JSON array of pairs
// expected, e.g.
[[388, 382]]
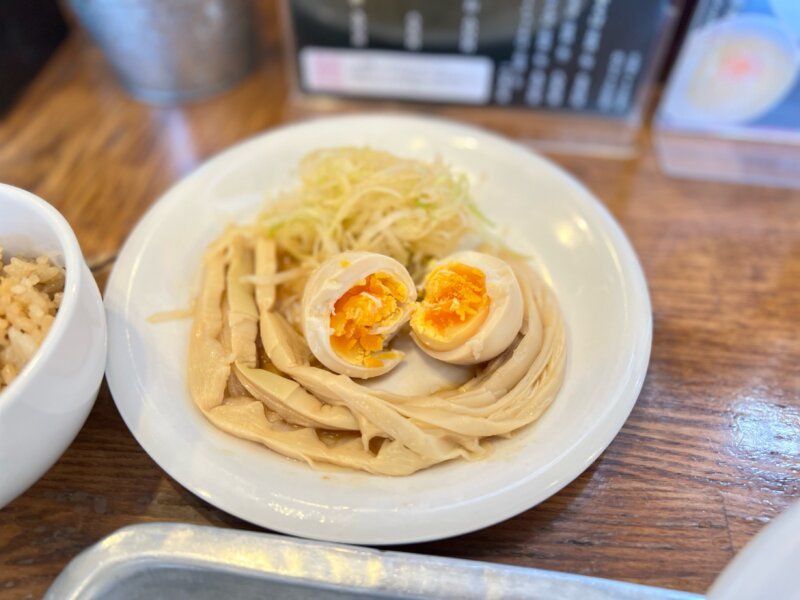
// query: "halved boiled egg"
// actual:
[[353, 304], [472, 309]]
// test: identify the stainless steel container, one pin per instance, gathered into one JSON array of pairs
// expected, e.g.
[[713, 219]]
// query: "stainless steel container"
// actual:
[[172, 51], [143, 562]]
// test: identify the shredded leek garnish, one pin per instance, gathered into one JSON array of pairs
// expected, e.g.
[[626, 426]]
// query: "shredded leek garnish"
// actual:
[[365, 199]]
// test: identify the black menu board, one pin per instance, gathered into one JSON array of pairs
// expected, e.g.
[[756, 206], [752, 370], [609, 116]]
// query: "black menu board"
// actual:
[[572, 56]]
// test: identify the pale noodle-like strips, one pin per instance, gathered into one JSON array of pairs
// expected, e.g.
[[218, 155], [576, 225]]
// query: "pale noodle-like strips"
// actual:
[[253, 376]]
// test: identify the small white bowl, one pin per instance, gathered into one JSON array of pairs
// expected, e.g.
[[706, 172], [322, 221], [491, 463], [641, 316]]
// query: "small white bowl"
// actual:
[[43, 409]]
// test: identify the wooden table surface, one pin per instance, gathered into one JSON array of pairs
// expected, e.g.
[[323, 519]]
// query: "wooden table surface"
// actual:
[[709, 455]]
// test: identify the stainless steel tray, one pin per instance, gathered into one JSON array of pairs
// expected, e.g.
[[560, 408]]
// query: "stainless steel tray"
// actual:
[[186, 561]]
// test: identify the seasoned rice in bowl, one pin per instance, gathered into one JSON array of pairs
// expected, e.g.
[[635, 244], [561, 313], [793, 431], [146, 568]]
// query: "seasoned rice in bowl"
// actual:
[[45, 406], [30, 294]]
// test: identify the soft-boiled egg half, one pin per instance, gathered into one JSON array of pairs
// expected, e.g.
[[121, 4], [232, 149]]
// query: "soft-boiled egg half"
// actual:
[[472, 309], [353, 304]]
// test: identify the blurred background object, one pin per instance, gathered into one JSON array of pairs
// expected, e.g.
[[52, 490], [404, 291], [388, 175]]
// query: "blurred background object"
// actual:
[[30, 31], [571, 74], [731, 109], [173, 51]]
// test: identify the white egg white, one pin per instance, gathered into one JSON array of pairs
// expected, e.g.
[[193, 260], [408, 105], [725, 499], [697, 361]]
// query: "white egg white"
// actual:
[[331, 281], [502, 324]]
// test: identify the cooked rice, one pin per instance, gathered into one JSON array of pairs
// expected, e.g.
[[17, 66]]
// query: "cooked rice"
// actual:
[[30, 294]]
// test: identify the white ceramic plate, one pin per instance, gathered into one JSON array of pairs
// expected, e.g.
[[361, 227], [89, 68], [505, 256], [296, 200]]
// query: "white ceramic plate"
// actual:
[[578, 247], [768, 565]]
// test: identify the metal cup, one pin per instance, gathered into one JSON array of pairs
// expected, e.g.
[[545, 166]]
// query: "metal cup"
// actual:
[[173, 51]]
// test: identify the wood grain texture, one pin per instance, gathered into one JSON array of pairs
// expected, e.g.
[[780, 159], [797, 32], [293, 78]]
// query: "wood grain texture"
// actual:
[[709, 455]]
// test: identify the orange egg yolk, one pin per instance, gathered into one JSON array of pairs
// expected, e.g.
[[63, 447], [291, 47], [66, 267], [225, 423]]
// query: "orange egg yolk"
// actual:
[[360, 316], [455, 306]]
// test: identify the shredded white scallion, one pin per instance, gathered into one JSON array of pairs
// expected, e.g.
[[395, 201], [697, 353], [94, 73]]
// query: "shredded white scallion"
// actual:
[[365, 199]]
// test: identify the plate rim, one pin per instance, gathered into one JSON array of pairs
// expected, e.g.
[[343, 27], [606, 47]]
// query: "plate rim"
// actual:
[[595, 438]]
